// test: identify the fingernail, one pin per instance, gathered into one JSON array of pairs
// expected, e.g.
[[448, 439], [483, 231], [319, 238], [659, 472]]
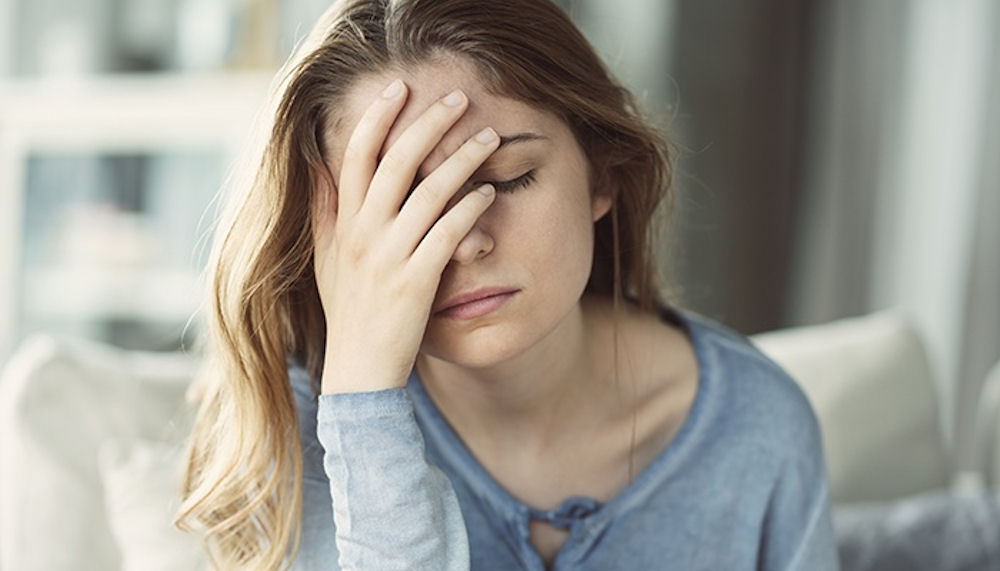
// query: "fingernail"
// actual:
[[486, 189], [486, 136], [453, 99], [394, 89]]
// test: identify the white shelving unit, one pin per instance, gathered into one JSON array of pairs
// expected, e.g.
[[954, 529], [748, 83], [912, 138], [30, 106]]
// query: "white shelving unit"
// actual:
[[107, 115]]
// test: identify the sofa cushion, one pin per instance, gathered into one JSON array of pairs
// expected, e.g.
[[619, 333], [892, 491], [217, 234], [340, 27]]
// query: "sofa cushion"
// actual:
[[141, 481], [60, 399], [870, 383]]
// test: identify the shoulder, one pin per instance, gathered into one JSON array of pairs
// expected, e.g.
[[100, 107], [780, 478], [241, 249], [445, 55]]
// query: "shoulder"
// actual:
[[751, 394]]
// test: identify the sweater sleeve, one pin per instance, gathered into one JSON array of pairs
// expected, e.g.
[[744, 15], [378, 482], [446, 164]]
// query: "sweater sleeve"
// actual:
[[798, 529], [391, 508]]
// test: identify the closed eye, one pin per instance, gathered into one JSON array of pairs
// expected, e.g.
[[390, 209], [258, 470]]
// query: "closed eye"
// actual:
[[514, 184]]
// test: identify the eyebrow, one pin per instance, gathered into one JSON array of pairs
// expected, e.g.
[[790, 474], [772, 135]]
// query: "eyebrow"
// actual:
[[520, 138], [525, 137]]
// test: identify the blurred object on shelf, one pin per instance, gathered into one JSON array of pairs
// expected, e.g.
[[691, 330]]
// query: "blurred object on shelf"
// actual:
[[257, 42], [106, 202], [101, 234], [111, 245], [204, 34], [64, 50], [56, 38]]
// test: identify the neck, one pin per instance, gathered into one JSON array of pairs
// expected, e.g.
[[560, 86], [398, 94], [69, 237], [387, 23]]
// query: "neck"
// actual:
[[533, 398]]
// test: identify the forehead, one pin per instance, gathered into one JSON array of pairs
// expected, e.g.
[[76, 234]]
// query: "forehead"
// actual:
[[426, 84]]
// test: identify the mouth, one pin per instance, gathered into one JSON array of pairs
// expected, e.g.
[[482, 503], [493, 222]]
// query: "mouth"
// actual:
[[476, 303]]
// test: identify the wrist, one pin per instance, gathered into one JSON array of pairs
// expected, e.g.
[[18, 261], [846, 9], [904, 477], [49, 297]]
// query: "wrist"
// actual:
[[342, 375]]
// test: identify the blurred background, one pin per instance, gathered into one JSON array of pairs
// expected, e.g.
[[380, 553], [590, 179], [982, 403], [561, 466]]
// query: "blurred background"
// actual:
[[836, 158]]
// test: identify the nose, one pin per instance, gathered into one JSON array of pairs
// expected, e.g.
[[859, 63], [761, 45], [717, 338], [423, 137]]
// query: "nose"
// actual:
[[475, 245]]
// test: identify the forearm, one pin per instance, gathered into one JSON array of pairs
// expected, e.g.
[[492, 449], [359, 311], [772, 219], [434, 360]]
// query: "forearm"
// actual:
[[392, 510]]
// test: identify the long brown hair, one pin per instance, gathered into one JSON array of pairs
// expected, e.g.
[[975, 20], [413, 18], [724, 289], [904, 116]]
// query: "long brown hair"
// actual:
[[242, 488]]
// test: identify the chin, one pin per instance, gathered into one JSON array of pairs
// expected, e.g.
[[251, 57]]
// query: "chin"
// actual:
[[496, 339], [481, 348]]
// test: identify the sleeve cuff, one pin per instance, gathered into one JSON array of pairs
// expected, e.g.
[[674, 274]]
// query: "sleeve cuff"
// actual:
[[364, 405]]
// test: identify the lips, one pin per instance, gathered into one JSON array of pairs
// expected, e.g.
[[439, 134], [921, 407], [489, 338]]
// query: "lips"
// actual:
[[475, 296]]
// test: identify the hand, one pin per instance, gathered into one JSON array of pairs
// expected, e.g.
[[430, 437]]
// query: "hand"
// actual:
[[378, 266]]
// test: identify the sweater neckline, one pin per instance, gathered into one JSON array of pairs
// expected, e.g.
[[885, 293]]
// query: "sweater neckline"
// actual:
[[575, 511]]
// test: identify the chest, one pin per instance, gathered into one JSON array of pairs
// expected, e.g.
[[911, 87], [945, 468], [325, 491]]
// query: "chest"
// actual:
[[639, 540], [546, 540], [602, 470]]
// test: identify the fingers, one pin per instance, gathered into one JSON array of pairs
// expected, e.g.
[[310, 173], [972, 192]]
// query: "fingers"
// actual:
[[429, 199], [395, 173], [437, 247], [372, 190], [361, 156]]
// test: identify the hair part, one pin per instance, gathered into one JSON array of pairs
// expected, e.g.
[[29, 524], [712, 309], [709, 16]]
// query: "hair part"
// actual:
[[243, 482]]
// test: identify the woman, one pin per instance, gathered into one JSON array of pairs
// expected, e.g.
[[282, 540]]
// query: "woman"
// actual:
[[436, 342]]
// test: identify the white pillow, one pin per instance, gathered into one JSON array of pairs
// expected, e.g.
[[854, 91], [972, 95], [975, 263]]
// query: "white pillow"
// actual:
[[869, 380], [60, 399], [141, 482]]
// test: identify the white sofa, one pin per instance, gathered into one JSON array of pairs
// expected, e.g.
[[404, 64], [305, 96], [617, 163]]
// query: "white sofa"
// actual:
[[90, 439]]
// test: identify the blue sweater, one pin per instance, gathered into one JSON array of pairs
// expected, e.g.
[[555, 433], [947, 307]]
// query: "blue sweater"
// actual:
[[742, 485]]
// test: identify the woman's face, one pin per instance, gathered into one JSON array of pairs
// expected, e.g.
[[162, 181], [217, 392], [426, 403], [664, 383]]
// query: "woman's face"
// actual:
[[537, 236]]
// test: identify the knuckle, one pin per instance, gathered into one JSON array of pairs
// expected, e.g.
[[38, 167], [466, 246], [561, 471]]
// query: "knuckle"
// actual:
[[354, 249], [437, 117], [445, 236], [467, 159], [392, 162], [428, 194], [464, 161], [356, 148], [474, 152]]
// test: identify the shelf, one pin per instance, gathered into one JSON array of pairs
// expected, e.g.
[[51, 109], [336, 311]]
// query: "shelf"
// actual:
[[131, 111]]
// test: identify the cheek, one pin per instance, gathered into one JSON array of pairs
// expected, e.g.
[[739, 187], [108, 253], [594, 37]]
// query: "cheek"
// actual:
[[552, 235]]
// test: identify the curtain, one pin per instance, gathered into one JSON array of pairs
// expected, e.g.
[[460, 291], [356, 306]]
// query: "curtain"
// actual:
[[901, 198]]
